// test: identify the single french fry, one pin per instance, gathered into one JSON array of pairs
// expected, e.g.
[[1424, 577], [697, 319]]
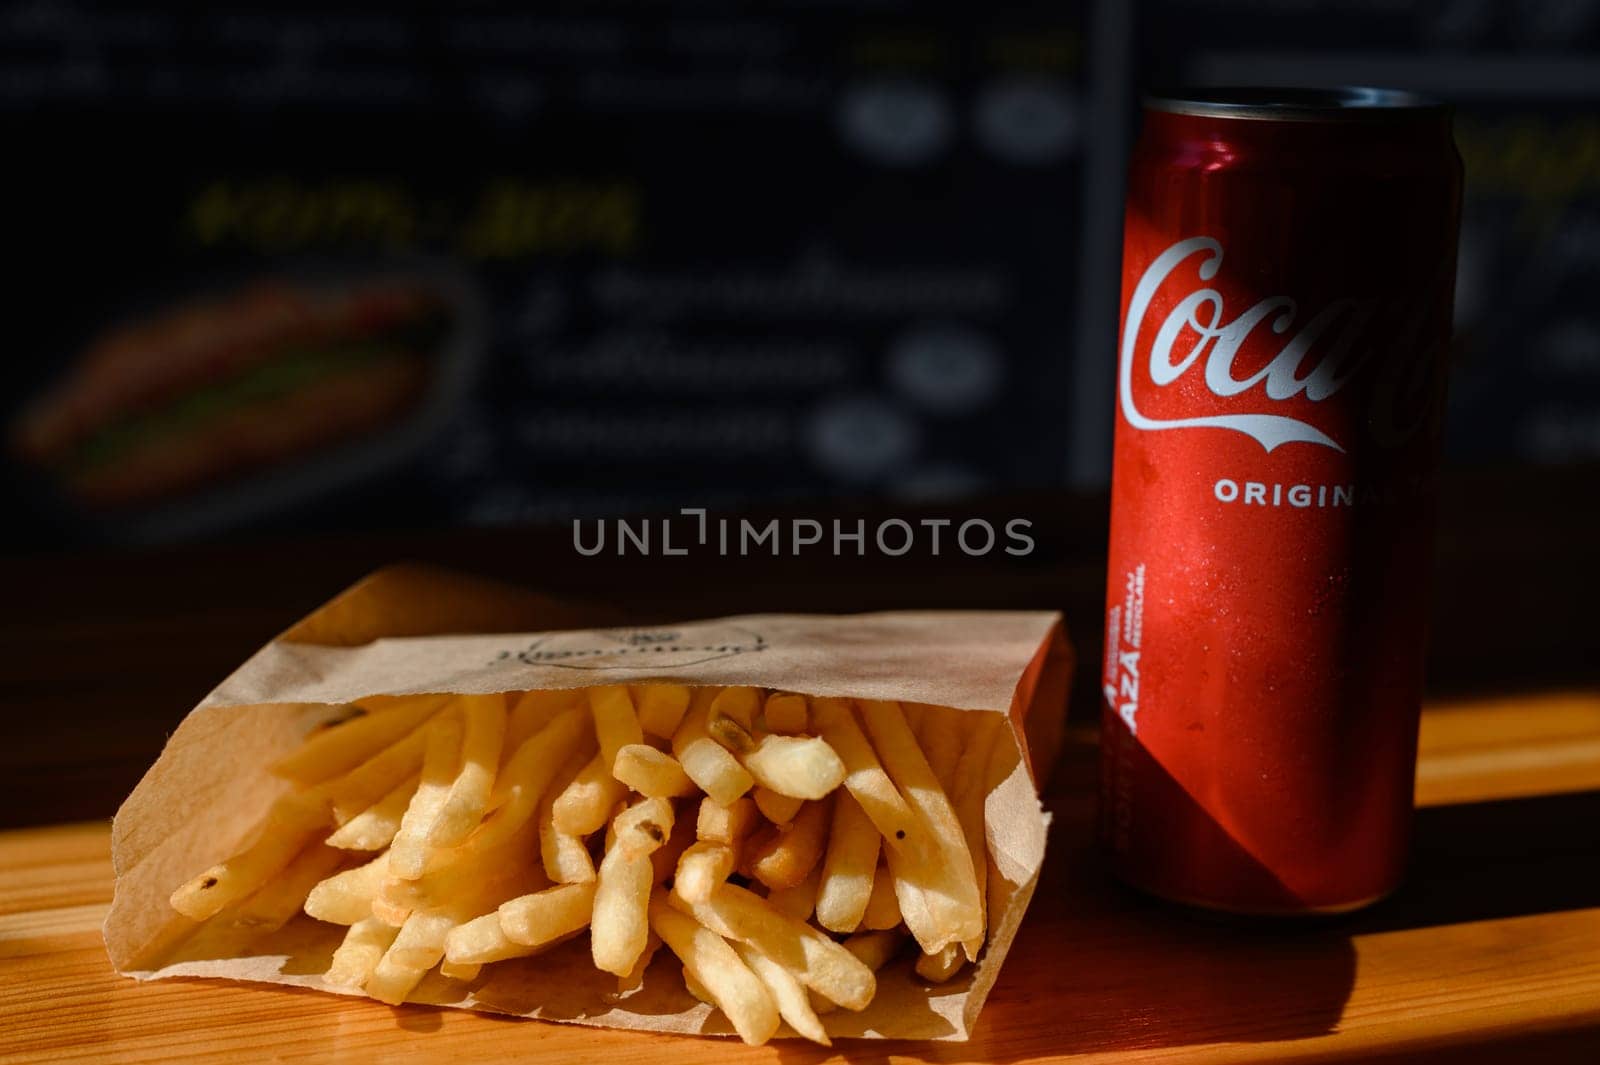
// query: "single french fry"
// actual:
[[291, 823], [817, 961], [785, 713], [865, 777], [883, 907], [704, 866], [408, 853], [792, 1001], [939, 967], [651, 772], [645, 826], [661, 707], [346, 898], [543, 917], [364, 944], [799, 901], [484, 732], [781, 856], [336, 749], [391, 981], [779, 809], [619, 926], [971, 791], [466, 973], [848, 867], [583, 806], [708, 763], [616, 725], [945, 878], [727, 980], [374, 828], [566, 856], [803, 767], [726, 823]]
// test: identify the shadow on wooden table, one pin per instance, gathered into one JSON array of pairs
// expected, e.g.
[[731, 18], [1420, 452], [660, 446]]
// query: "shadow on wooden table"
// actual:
[[1506, 858], [1099, 968]]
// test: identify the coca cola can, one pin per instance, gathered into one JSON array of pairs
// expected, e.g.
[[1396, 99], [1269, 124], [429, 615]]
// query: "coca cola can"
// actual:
[[1288, 270]]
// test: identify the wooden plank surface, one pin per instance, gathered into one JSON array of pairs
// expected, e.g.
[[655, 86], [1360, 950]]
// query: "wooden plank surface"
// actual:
[[1491, 952]]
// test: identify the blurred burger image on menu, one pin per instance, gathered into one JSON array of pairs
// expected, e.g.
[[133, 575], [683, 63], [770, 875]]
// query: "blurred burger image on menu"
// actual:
[[229, 405]]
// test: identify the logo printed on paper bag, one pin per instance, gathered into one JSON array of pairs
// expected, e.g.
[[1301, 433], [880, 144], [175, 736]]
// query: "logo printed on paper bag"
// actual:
[[639, 648]]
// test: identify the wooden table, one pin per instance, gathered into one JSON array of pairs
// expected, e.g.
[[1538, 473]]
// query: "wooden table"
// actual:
[[1490, 953]]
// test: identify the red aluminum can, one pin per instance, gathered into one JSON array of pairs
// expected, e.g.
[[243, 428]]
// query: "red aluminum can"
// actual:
[[1288, 269]]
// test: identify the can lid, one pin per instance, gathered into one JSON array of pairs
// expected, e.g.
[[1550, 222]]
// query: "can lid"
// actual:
[[1340, 104]]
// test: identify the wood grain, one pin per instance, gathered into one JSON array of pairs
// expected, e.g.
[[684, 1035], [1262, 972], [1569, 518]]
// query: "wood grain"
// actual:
[[1490, 953]]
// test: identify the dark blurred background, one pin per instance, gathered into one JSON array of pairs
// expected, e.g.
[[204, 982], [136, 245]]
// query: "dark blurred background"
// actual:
[[299, 290], [297, 267]]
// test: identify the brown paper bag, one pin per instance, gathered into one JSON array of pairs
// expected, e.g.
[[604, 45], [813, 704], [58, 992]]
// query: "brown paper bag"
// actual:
[[210, 785]]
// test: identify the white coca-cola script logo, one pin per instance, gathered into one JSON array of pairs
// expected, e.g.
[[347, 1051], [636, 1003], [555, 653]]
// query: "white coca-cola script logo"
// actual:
[[1342, 323]]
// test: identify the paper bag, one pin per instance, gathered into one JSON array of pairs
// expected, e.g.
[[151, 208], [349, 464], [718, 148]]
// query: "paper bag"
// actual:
[[410, 630]]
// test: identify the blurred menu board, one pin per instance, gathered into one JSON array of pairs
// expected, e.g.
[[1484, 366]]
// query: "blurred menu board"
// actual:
[[304, 265], [1525, 79]]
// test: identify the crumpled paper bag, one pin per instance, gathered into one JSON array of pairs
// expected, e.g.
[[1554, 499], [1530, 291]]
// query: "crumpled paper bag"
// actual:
[[412, 630]]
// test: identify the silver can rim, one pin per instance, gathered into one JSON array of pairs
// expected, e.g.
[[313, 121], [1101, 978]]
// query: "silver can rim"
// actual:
[[1344, 103]]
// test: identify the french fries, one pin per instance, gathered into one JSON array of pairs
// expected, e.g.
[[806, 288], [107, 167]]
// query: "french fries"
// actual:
[[794, 1005], [358, 955], [718, 969], [565, 854], [708, 763], [785, 713], [883, 905], [291, 823], [374, 828], [440, 766], [848, 868], [802, 767], [546, 916], [651, 772], [616, 725], [937, 882], [817, 961], [347, 897], [338, 748], [480, 818], [661, 708], [582, 808], [702, 867], [779, 809], [484, 732], [780, 856]]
